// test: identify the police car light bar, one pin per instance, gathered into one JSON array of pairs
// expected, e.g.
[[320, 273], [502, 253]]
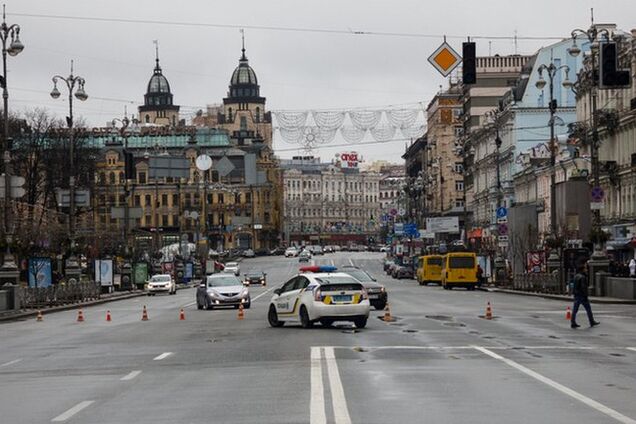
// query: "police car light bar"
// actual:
[[318, 268]]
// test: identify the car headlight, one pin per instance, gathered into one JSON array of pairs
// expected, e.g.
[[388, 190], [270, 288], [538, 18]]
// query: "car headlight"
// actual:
[[382, 289], [244, 292], [213, 293]]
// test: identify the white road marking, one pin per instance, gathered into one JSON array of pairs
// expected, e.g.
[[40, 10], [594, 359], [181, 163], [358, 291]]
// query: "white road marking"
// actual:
[[351, 262], [486, 347], [317, 400], [130, 375], [6, 364], [189, 304], [563, 389], [262, 294], [74, 410], [162, 356], [340, 411], [631, 348], [332, 262]]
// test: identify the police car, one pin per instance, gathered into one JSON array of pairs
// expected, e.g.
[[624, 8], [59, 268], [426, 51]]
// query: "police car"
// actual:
[[319, 294]]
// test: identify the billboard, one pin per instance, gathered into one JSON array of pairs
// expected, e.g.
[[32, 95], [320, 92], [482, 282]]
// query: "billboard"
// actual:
[[446, 224], [348, 159], [104, 272], [40, 272]]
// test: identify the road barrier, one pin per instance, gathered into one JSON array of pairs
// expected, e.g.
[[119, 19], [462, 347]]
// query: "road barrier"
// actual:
[[58, 294], [539, 283]]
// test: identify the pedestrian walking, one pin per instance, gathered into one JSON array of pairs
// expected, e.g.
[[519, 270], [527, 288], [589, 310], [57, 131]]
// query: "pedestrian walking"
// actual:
[[632, 268], [480, 276], [580, 290]]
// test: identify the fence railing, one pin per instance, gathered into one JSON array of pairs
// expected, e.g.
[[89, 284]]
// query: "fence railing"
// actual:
[[538, 282], [59, 294]]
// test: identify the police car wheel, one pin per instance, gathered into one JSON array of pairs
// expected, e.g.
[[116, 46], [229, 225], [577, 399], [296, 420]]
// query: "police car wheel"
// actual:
[[304, 318], [360, 322], [272, 317]]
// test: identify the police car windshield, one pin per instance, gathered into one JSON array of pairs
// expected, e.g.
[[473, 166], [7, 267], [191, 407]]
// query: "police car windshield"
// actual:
[[336, 280], [223, 281]]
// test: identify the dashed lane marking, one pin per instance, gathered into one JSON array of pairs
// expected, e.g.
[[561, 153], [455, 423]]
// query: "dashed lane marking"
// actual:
[[351, 262], [340, 410], [74, 410], [162, 356], [131, 375], [631, 348], [6, 364], [262, 294], [563, 389], [189, 304], [317, 401]]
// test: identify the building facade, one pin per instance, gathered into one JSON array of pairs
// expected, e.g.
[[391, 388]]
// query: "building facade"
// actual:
[[327, 203]]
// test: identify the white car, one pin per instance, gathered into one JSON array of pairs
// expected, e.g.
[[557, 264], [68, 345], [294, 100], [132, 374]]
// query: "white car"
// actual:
[[232, 267], [161, 283], [291, 252], [319, 295]]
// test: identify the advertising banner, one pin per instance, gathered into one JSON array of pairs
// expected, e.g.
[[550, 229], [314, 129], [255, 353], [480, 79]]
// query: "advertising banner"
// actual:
[[40, 272], [447, 224], [140, 273], [104, 272]]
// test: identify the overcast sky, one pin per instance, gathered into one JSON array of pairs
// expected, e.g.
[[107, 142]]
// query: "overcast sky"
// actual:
[[296, 70]]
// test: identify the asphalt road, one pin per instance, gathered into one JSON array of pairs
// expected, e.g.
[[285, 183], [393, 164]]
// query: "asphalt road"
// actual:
[[439, 362]]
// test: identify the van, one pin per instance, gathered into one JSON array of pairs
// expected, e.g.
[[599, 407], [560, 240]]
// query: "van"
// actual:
[[430, 269], [459, 269]]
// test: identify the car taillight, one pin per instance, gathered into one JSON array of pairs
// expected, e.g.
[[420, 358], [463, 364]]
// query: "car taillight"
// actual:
[[317, 295]]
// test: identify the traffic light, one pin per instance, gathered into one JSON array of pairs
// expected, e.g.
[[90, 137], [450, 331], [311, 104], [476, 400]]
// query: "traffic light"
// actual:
[[610, 76], [469, 66], [129, 165]]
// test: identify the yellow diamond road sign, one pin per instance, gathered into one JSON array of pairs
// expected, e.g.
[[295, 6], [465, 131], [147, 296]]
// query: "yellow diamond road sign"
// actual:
[[445, 59]]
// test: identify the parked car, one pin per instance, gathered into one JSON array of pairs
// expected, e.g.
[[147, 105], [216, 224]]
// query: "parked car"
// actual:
[[387, 264], [277, 251], [249, 253], [222, 290], [232, 267], [291, 252], [390, 269], [316, 250], [328, 249], [161, 283]]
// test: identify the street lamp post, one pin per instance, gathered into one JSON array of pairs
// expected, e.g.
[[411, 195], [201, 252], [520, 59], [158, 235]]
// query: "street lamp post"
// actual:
[[123, 131], [75, 85], [8, 33], [551, 71]]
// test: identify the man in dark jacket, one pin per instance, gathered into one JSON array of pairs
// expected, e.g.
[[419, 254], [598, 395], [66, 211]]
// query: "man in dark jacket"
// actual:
[[580, 297]]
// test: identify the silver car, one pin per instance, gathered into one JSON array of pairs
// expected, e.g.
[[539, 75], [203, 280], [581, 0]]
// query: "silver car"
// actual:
[[222, 290], [232, 267]]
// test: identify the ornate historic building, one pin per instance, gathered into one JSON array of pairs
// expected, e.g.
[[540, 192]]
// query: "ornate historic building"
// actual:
[[158, 107]]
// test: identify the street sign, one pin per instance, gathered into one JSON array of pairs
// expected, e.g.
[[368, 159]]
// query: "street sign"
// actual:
[[224, 166], [119, 212], [16, 186], [445, 59], [597, 206], [401, 212], [597, 194], [502, 220], [502, 212], [503, 244], [82, 198], [502, 238], [502, 229], [394, 212], [203, 162]]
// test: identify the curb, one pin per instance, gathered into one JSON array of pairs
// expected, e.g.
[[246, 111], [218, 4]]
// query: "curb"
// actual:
[[563, 298], [20, 315]]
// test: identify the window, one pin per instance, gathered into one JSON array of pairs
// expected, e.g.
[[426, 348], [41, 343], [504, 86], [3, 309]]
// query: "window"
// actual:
[[147, 200], [164, 199], [459, 186], [147, 119], [243, 123], [175, 200], [459, 203], [164, 219], [459, 167], [142, 178], [137, 200], [258, 115], [220, 197], [248, 197], [111, 178], [237, 198]]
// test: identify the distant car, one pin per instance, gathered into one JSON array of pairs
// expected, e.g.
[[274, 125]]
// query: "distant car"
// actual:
[[291, 252], [387, 264], [255, 277], [328, 249], [262, 252], [385, 249], [304, 256], [316, 250], [377, 293], [337, 248], [232, 267], [322, 297], [222, 290], [249, 253], [161, 283], [391, 267], [277, 251], [402, 271]]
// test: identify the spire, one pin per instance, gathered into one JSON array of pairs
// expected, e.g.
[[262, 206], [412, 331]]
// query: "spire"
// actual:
[[157, 67], [243, 57]]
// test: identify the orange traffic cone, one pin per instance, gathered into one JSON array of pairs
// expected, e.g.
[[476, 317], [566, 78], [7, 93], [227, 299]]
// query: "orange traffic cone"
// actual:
[[108, 317], [80, 315], [387, 313], [568, 314], [182, 315], [144, 314], [39, 318], [488, 311], [241, 312]]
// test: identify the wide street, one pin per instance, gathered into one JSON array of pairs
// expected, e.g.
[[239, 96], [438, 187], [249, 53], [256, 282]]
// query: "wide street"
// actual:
[[439, 362]]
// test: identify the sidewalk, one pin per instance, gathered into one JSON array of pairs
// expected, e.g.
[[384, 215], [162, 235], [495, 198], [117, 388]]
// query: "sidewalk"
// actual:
[[104, 298], [567, 298]]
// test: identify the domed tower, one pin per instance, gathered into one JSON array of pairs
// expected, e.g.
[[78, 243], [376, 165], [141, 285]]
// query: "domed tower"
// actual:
[[244, 108], [158, 107]]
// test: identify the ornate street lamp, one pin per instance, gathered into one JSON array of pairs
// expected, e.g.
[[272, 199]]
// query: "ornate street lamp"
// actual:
[[75, 85], [8, 34]]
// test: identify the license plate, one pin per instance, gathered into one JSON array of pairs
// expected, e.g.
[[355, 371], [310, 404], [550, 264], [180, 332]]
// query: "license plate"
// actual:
[[374, 296], [341, 298]]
